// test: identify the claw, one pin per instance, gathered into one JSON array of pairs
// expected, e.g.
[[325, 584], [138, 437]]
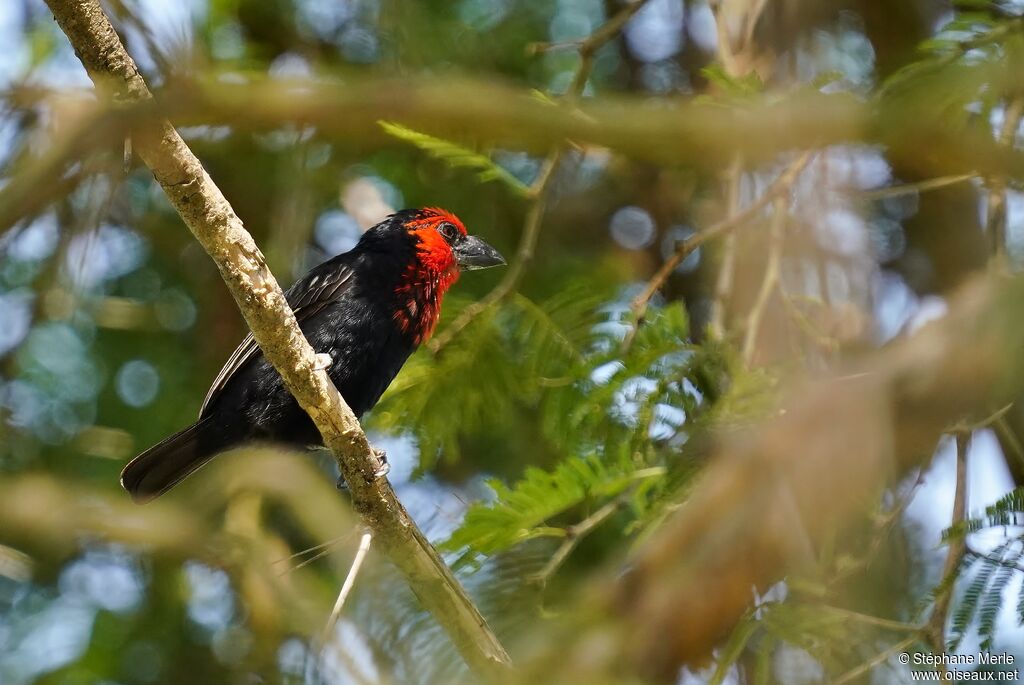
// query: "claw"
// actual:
[[322, 362], [383, 470], [385, 467]]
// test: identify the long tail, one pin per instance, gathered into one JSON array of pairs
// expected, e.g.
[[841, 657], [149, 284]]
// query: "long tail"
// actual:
[[170, 461]]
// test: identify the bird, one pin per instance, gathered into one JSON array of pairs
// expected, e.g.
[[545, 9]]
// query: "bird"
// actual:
[[363, 311]]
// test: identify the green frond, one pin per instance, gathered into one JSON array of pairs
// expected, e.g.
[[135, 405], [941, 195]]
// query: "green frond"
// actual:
[[518, 513], [457, 156], [991, 603], [1008, 510], [970, 600], [737, 86]]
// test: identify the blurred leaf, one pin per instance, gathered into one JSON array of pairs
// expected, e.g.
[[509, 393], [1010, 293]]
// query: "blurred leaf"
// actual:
[[457, 156], [517, 513]]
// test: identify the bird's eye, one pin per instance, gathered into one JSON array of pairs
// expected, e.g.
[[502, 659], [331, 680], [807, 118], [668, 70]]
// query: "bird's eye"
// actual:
[[449, 231]]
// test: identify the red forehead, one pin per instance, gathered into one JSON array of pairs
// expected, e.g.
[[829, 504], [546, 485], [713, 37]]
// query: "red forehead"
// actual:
[[432, 217]]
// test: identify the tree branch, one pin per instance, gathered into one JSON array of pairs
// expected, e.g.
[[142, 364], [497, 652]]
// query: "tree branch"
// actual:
[[995, 219], [935, 629], [211, 219], [677, 130], [776, 243]]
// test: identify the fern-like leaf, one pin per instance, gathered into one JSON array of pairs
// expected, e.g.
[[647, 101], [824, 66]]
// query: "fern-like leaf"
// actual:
[[457, 156], [518, 513]]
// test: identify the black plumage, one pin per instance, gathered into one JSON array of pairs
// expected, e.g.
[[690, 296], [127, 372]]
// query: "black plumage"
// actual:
[[368, 309]]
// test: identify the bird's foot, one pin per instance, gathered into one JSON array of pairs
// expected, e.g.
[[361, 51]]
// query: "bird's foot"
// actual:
[[322, 362], [383, 470], [382, 457]]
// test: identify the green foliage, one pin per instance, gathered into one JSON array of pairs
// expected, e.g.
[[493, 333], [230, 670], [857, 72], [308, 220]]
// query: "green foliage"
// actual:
[[1008, 510], [457, 156], [985, 577], [743, 86], [603, 406], [970, 41], [495, 372], [518, 513]]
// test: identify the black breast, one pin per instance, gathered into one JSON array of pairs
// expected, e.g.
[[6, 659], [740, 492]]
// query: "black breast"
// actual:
[[367, 349]]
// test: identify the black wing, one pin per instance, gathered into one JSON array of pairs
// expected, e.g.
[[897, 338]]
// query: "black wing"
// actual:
[[311, 293]]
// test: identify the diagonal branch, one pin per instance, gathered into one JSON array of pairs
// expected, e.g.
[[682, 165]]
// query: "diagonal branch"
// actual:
[[211, 219]]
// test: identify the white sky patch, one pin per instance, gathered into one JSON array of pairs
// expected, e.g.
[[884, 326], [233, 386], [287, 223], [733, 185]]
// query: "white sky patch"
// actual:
[[931, 512], [656, 31]]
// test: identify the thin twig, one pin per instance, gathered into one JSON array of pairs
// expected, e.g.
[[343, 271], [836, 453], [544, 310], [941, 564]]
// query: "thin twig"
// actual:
[[590, 44], [917, 187], [935, 630], [726, 276], [776, 240], [995, 219], [524, 254], [727, 269], [753, 16], [779, 187], [964, 426], [882, 529], [539, 189], [346, 587], [726, 54], [826, 343], [316, 553], [1009, 438], [573, 535], [878, 659], [870, 620]]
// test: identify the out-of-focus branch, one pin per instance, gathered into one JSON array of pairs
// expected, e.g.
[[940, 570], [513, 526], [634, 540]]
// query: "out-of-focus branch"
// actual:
[[675, 130], [995, 220], [838, 443], [346, 587], [47, 177], [914, 188], [776, 242], [778, 188], [573, 535], [935, 630], [524, 254], [725, 278], [211, 219], [877, 660], [587, 47]]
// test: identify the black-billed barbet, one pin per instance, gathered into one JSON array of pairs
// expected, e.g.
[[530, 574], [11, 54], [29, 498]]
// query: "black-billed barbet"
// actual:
[[367, 309]]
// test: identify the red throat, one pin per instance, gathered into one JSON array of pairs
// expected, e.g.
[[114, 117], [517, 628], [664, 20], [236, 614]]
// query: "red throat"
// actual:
[[428, 277]]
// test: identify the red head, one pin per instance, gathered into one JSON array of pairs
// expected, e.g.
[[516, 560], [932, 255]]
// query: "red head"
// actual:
[[442, 249]]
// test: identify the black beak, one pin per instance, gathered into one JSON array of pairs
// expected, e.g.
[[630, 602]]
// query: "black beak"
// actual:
[[472, 253]]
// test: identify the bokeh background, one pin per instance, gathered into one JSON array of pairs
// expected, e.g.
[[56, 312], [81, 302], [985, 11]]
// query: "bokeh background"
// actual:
[[113, 322]]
